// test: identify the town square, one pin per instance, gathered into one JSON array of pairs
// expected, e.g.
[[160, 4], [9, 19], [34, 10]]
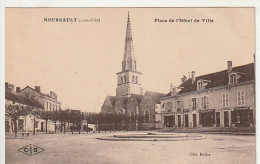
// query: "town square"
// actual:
[[131, 90], [86, 148]]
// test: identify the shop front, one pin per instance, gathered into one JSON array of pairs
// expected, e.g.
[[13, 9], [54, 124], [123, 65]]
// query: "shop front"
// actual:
[[207, 117], [169, 121], [242, 117]]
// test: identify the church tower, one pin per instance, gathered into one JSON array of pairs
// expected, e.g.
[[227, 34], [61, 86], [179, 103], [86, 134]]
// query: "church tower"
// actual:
[[129, 80]]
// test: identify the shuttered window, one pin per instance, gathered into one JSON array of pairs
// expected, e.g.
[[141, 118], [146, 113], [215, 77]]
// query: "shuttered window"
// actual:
[[225, 100], [205, 102], [241, 98]]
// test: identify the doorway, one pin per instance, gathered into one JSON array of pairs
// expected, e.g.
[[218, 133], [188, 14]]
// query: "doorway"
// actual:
[[226, 119], [41, 126], [179, 120], [194, 120], [186, 120], [217, 119]]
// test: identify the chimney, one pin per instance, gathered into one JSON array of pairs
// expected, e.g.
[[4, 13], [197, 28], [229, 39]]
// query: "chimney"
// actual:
[[6, 85], [183, 79], [51, 94], [11, 87], [229, 66], [193, 77], [18, 89], [38, 89]]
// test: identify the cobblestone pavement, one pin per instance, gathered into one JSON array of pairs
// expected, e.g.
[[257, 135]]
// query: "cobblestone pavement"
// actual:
[[85, 148]]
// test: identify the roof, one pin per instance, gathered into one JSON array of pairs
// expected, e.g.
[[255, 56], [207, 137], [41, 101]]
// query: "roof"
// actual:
[[156, 96], [221, 78], [33, 90], [42, 94], [22, 100], [124, 99], [138, 97], [112, 99]]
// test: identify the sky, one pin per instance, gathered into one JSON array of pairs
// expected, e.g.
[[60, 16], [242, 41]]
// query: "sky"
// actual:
[[79, 61]]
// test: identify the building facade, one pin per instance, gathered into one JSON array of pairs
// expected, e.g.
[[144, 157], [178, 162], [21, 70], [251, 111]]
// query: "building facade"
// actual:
[[27, 98], [25, 122], [142, 110], [48, 101], [222, 99]]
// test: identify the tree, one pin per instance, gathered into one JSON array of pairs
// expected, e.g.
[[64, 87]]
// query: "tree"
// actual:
[[55, 117], [46, 115], [15, 112], [35, 112], [62, 118]]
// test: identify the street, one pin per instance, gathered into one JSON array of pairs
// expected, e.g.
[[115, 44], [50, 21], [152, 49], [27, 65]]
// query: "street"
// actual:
[[85, 148]]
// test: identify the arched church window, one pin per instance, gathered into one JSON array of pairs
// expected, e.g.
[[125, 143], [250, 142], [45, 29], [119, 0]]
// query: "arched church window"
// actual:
[[146, 116], [136, 79], [133, 78], [132, 116], [122, 80]]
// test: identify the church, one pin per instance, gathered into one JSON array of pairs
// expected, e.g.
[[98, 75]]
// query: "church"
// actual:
[[142, 110]]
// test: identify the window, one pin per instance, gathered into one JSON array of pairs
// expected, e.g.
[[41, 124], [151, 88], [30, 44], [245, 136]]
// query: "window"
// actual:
[[122, 80], [136, 79], [169, 106], [205, 102], [178, 104], [146, 116], [241, 98], [200, 85], [47, 106], [225, 100], [133, 78], [194, 103], [232, 78]]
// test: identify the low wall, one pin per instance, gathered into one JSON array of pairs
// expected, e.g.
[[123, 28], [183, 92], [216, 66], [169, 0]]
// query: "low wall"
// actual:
[[130, 126]]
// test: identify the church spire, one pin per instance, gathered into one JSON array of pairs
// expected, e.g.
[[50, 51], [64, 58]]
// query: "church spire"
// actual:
[[129, 62]]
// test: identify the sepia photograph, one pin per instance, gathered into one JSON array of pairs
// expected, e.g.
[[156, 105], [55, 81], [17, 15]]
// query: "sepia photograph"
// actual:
[[130, 85]]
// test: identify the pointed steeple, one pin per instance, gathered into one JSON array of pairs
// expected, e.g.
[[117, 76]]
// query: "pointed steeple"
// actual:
[[129, 79], [129, 62]]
